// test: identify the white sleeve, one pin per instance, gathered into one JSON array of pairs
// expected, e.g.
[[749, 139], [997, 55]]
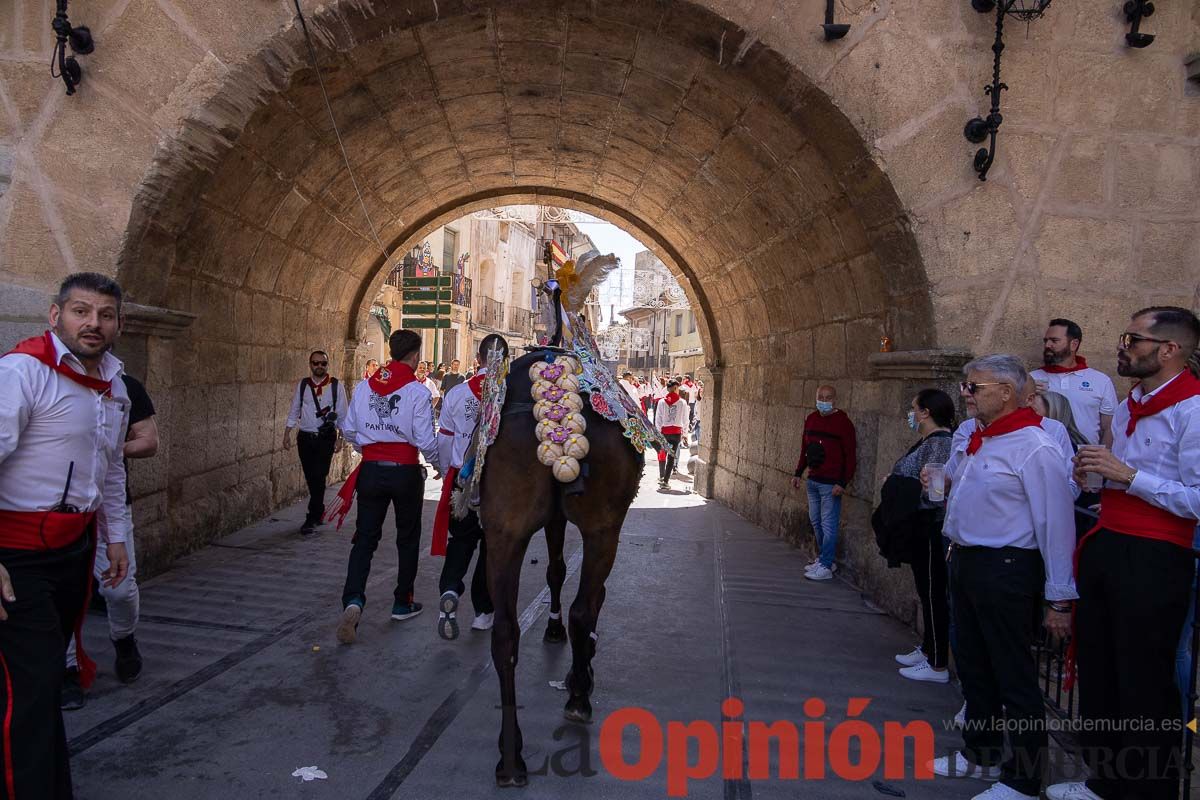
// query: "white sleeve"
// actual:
[[1182, 497], [1068, 450], [350, 419], [17, 394], [1044, 478], [294, 414], [958, 447], [1108, 400], [343, 408], [422, 428], [113, 518]]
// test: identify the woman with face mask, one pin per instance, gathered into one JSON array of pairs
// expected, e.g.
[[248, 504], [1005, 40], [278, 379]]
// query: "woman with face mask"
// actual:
[[908, 525]]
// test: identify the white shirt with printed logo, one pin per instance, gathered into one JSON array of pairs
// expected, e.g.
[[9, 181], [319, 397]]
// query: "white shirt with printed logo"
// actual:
[[1089, 391], [405, 415]]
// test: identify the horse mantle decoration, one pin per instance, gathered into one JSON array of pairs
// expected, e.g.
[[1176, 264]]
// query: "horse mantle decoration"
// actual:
[[556, 407]]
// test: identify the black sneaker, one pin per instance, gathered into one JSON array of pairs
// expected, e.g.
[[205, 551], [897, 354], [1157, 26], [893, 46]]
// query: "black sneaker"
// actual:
[[309, 527], [129, 660], [403, 611], [73, 697]]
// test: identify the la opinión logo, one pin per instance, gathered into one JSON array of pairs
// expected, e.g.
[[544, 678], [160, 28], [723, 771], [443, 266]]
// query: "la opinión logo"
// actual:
[[852, 750]]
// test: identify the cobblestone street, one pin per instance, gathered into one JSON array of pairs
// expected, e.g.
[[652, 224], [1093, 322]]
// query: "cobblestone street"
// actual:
[[244, 682]]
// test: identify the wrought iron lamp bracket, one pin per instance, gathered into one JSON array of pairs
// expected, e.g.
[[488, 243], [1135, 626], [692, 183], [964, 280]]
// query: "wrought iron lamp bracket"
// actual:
[[1135, 12]]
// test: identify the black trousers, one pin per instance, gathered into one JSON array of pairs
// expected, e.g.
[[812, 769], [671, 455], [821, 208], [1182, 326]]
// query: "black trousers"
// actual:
[[403, 488], [50, 586], [1133, 597], [930, 577], [465, 533], [316, 454], [996, 594], [667, 467]]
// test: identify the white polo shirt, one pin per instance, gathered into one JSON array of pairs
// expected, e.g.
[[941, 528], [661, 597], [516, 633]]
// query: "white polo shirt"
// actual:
[[1089, 391]]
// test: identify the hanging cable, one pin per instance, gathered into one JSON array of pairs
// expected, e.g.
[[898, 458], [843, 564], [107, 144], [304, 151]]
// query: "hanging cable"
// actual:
[[312, 55]]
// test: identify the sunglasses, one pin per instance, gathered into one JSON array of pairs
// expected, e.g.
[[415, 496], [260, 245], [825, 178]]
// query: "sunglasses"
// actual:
[[1128, 340], [319, 363], [971, 387]]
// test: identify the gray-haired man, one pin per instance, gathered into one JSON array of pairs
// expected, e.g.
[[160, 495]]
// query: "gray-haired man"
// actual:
[[1010, 519]]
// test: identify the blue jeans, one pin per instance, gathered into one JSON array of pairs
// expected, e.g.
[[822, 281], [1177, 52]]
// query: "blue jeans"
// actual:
[[824, 512], [1183, 655]]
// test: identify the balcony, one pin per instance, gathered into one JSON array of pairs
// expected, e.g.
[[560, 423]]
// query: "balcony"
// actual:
[[520, 322], [489, 313]]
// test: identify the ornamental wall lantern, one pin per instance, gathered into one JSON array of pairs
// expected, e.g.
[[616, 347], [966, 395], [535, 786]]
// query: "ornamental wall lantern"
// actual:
[[80, 41], [833, 31], [978, 130], [1135, 12]]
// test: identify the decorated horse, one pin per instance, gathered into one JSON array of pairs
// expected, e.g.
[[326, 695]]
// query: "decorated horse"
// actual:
[[558, 441]]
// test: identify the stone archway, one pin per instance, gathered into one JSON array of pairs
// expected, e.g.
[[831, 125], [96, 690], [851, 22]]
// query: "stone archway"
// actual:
[[755, 190]]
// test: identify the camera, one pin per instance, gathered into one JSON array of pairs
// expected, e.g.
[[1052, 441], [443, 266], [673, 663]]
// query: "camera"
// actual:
[[328, 427]]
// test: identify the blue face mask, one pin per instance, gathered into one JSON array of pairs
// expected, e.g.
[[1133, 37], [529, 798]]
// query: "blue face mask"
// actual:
[[912, 420], [824, 407]]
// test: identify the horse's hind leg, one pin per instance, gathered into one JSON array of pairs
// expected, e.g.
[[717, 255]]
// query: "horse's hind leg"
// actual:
[[506, 551], [556, 574], [599, 552]]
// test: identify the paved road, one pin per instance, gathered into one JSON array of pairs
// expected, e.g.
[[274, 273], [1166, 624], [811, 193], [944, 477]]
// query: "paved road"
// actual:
[[244, 681]]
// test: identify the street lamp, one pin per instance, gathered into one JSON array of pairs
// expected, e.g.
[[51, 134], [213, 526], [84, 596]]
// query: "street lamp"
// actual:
[[977, 130]]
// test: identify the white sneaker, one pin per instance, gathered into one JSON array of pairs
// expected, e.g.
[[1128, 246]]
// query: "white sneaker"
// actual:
[[812, 563], [960, 719], [924, 672], [819, 573], [1002, 791], [1071, 791], [832, 567], [483, 622], [912, 659], [957, 766]]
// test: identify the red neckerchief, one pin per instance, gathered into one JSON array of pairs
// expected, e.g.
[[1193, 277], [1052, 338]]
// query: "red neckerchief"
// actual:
[[319, 386], [392, 378], [1013, 421], [476, 384], [42, 348], [1056, 369], [1181, 387], [671, 399]]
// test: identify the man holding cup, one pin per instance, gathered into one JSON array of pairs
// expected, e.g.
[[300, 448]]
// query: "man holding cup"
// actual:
[[1135, 568], [1011, 525]]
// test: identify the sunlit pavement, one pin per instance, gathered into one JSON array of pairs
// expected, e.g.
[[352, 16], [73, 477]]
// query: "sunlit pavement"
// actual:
[[244, 682]]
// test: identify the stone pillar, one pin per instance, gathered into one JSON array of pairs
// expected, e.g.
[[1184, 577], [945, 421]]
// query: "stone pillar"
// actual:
[[147, 348], [710, 430]]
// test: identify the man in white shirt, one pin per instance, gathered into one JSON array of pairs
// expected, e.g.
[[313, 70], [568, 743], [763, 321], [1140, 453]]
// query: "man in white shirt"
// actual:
[[1011, 525], [460, 412], [630, 389], [1090, 392], [318, 407], [1135, 568], [62, 479], [390, 421]]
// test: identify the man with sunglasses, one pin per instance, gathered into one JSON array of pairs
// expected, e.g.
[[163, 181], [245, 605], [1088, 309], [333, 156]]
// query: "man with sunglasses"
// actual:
[[1135, 568], [318, 408], [1011, 524]]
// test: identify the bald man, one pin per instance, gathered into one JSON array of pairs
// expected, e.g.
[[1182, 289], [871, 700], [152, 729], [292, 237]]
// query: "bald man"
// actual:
[[828, 453]]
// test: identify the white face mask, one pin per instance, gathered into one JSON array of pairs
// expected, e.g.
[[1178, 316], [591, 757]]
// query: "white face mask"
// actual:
[[824, 406]]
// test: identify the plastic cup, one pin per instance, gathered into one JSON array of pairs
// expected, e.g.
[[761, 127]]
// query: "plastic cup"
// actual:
[[1093, 481], [937, 481]]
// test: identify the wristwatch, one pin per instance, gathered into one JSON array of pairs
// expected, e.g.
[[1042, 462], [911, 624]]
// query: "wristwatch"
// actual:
[[1132, 475]]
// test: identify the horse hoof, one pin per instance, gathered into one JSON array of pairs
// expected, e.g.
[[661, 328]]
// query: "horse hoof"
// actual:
[[517, 779], [578, 711], [555, 634]]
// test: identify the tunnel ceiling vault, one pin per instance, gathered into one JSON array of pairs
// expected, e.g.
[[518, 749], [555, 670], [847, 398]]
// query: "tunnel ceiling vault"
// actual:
[[755, 189]]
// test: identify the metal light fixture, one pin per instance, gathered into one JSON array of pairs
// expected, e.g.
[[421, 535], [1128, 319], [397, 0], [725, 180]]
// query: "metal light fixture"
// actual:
[[1135, 12], [979, 129], [80, 41], [833, 31]]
